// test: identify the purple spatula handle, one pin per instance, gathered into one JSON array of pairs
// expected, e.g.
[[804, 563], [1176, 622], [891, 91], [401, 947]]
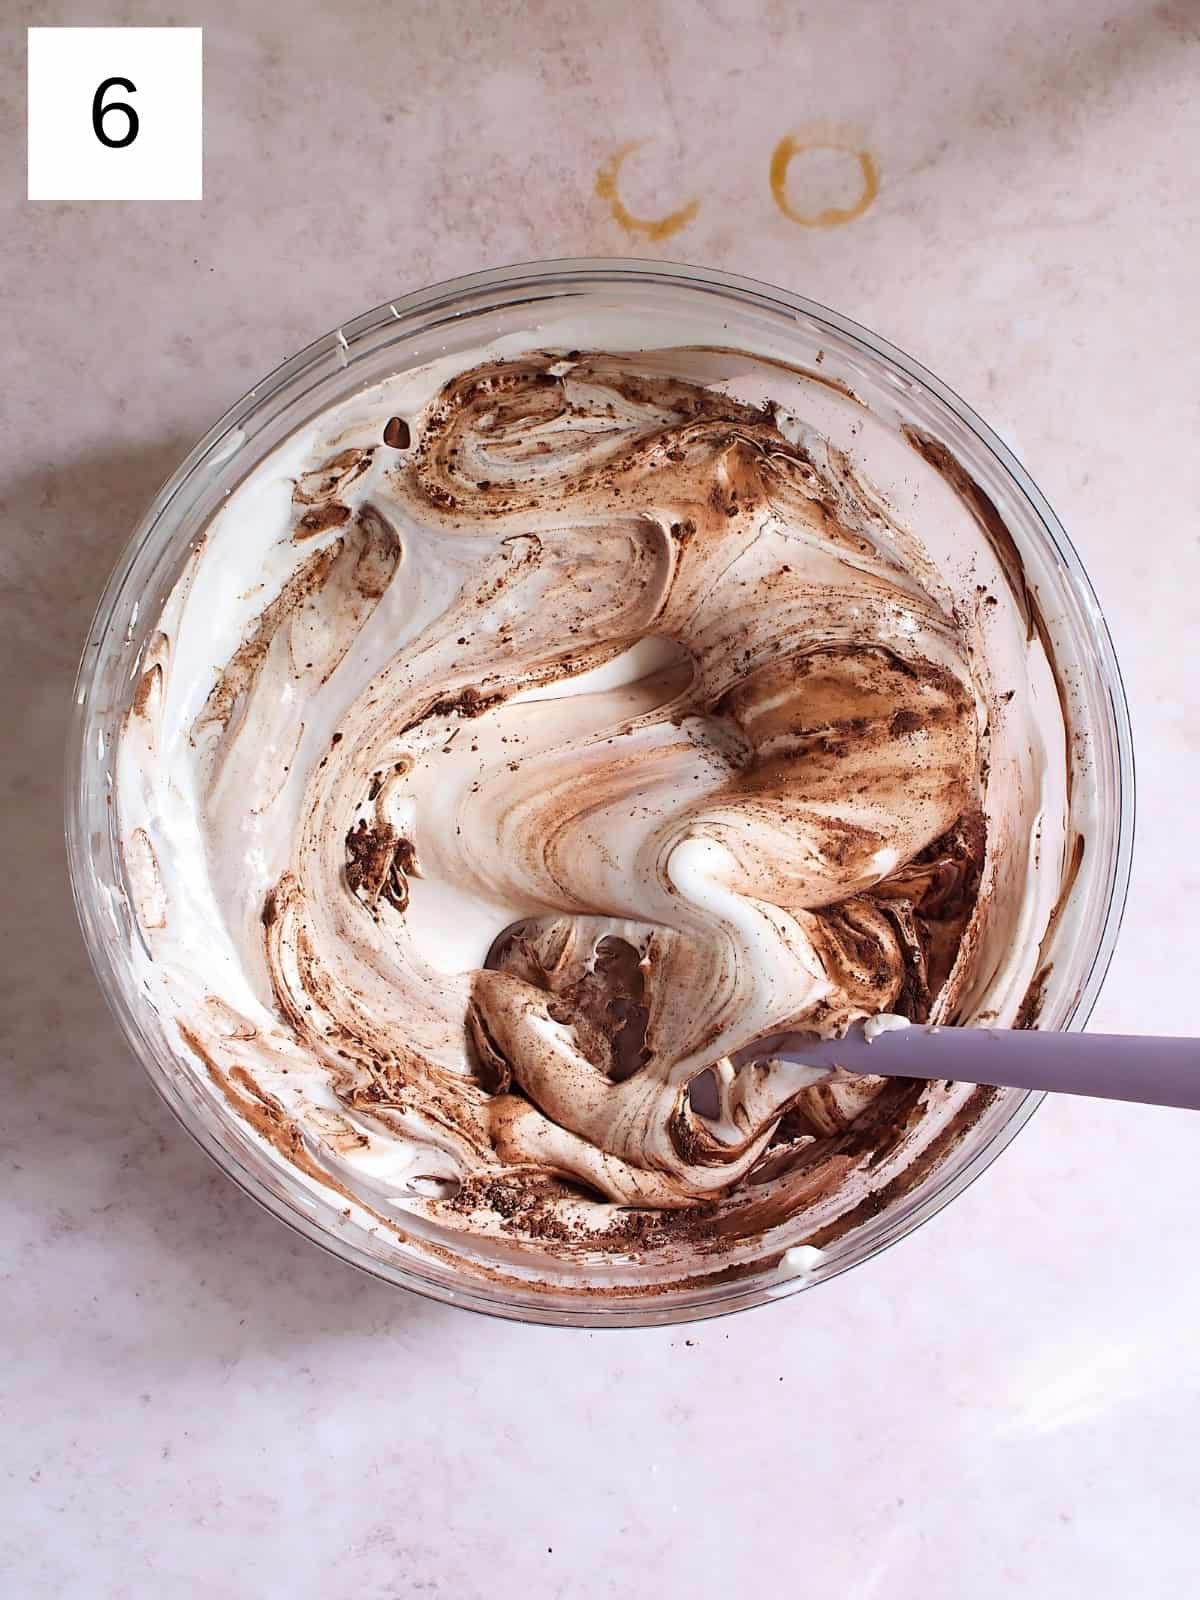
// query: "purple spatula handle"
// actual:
[[1154, 1071]]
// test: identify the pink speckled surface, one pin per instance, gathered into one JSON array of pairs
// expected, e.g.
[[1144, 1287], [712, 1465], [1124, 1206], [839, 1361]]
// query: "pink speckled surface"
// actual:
[[198, 1404]]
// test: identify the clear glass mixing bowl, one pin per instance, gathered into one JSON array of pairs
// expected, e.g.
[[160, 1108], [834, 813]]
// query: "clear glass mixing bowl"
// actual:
[[462, 315]]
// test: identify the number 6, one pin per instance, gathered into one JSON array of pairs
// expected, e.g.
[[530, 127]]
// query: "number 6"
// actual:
[[99, 112]]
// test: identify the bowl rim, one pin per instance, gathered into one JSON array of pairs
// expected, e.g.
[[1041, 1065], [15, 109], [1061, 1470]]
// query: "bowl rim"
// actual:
[[324, 357]]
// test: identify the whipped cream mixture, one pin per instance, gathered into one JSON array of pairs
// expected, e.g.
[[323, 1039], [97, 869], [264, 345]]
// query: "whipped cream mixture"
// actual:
[[525, 739]]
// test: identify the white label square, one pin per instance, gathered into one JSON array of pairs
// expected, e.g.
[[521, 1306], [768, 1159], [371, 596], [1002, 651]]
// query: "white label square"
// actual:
[[78, 150]]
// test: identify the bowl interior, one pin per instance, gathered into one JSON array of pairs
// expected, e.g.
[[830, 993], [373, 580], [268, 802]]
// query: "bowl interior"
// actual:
[[621, 305]]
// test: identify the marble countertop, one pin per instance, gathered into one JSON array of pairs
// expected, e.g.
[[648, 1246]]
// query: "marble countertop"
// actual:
[[197, 1403]]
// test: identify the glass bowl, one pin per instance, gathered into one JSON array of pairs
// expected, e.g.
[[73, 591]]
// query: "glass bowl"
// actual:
[[680, 305]]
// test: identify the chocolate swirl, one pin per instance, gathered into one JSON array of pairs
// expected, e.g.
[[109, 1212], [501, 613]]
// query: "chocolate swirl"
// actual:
[[651, 709]]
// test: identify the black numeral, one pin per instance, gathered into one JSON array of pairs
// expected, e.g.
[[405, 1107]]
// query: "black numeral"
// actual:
[[100, 111]]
